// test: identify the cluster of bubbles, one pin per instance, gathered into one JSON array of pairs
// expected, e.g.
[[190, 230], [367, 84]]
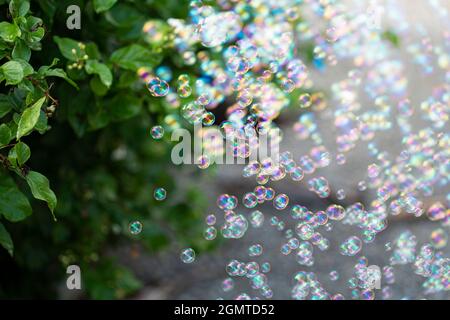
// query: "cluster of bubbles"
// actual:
[[249, 61]]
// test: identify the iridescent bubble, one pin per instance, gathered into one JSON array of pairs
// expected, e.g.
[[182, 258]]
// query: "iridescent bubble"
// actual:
[[266, 267], [235, 227], [135, 227], [281, 201], [219, 28], [208, 119], [304, 230], [270, 194], [210, 233], [187, 255], [340, 194], [158, 87], [437, 212], [157, 132], [250, 200], [439, 238], [255, 250], [211, 220], [334, 275], [305, 100], [160, 194], [351, 246], [332, 34], [319, 186], [203, 162], [227, 202], [228, 285], [256, 219], [184, 91], [258, 281], [335, 212]]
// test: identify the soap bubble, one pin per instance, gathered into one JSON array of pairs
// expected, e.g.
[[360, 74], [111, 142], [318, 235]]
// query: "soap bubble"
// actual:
[[187, 255], [135, 227], [160, 194], [351, 246], [157, 132]]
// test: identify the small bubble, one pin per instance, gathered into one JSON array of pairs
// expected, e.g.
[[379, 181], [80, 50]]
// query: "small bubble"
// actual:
[[187, 255], [135, 227], [160, 194]]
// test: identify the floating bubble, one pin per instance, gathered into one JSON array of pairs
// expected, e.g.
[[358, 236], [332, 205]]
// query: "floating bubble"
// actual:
[[235, 227], [334, 275], [281, 201], [157, 132], [135, 227], [305, 100], [160, 194], [210, 233], [255, 250], [351, 246], [439, 238], [256, 219], [335, 212], [158, 87], [228, 285], [187, 255]]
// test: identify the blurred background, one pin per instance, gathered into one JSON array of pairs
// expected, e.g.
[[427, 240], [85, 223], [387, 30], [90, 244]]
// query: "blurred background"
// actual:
[[103, 166]]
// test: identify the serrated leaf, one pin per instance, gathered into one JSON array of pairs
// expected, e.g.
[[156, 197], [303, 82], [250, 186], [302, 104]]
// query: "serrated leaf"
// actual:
[[9, 32], [13, 72], [5, 240], [29, 118], [134, 57], [40, 188], [14, 205], [103, 5], [96, 67]]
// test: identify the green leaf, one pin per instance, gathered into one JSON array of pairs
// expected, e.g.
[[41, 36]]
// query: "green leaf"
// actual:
[[134, 57], [69, 48], [5, 135], [14, 205], [59, 73], [26, 67], [6, 241], [103, 5], [29, 118], [13, 72], [22, 152], [5, 105], [19, 8], [9, 32], [40, 188], [95, 67], [42, 124], [98, 87], [123, 107], [21, 51]]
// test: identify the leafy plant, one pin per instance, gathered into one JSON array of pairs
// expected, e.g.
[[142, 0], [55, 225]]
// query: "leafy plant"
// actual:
[[74, 122]]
